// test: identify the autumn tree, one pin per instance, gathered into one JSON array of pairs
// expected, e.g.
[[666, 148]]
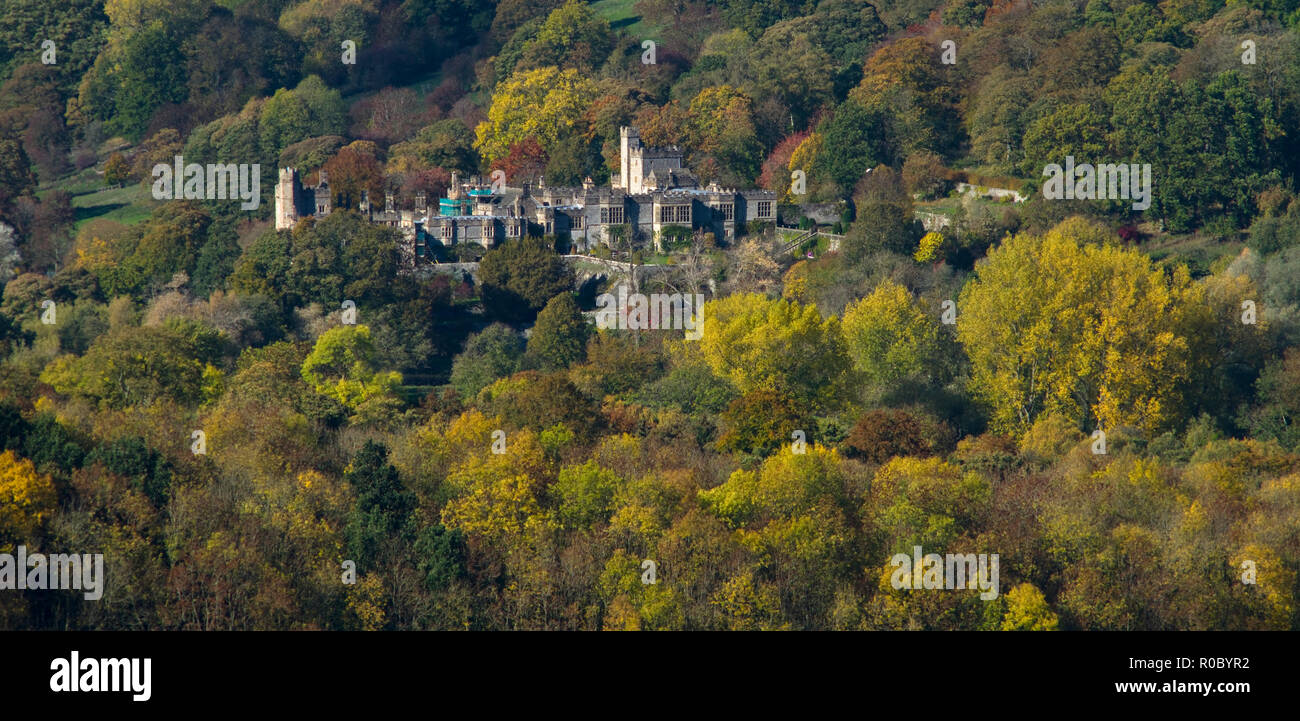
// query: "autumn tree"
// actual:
[[761, 421], [545, 103], [342, 366], [1071, 323], [892, 339], [792, 510], [880, 435], [29, 500], [756, 343], [353, 170], [924, 174], [905, 85], [117, 171], [539, 401], [389, 116], [524, 162], [1027, 610], [775, 172]]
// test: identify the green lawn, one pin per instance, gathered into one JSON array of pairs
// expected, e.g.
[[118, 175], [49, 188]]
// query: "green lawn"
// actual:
[[949, 205], [130, 204], [90, 199], [79, 183], [623, 16], [818, 245]]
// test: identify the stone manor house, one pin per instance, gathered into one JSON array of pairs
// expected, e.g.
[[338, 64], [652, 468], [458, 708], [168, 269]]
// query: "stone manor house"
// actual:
[[651, 192]]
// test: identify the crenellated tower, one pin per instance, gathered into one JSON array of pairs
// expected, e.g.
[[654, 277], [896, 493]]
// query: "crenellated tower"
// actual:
[[286, 199]]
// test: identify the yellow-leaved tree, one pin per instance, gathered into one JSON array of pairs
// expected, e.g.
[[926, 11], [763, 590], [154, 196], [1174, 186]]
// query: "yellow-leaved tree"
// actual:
[[777, 345], [544, 103], [792, 512], [1027, 610], [802, 160], [891, 338], [27, 499], [928, 249], [1072, 323]]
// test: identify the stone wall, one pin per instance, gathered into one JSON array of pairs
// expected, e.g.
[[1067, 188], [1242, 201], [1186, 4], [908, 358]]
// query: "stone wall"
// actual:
[[988, 192]]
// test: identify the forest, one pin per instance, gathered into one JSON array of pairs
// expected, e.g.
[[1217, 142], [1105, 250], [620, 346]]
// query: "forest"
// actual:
[[267, 429]]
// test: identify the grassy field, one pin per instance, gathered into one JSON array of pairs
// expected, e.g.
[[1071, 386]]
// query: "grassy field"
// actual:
[[949, 205], [422, 87], [623, 16], [1202, 253], [90, 199], [130, 204]]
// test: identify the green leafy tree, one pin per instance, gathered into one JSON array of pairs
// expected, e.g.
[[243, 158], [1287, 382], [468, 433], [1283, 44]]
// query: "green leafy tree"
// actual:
[[585, 495], [16, 176], [147, 470], [572, 36], [851, 142], [559, 337], [440, 554], [150, 72], [137, 366], [382, 514], [495, 352], [1071, 130], [1278, 413], [997, 117], [222, 76], [77, 28], [263, 268], [290, 116], [342, 366], [892, 339], [446, 144], [520, 277]]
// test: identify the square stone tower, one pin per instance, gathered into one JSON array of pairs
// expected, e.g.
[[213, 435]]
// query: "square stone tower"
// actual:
[[629, 141], [287, 191]]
